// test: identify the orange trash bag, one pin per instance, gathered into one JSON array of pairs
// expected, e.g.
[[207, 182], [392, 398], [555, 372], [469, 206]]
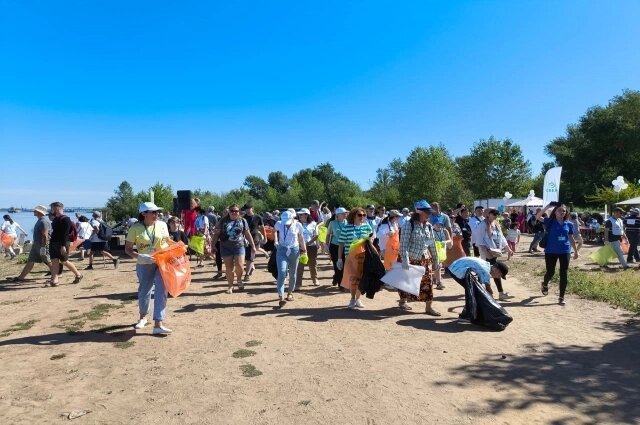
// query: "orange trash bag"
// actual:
[[174, 268], [392, 250], [7, 240], [268, 230], [354, 265], [625, 246]]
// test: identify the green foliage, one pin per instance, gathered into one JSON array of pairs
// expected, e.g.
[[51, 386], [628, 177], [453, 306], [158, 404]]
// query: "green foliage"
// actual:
[[607, 196], [620, 289], [494, 167], [242, 353], [124, 203], [602, 145], [249, 371]]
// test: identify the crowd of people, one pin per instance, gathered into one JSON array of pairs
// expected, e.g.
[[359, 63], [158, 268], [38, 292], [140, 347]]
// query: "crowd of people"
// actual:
[[451, 242]]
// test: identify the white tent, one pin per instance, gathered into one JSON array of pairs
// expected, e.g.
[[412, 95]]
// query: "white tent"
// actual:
[[632, 201], [529, 202]]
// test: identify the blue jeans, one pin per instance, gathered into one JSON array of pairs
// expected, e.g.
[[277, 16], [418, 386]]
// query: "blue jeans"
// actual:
[[536, 240], [287, 264], [148, 277]]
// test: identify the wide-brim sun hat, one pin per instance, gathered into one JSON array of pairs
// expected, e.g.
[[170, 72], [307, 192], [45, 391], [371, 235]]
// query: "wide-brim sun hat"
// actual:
[[341, 210], [41, 209], [394, 213], [148, 206], [422, 205], [286, 217], [304, 211]]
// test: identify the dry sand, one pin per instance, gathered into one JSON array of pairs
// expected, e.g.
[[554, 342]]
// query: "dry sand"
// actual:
[[320, 363]]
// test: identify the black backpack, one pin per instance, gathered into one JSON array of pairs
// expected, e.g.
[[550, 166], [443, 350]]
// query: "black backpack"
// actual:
[[105, 232]]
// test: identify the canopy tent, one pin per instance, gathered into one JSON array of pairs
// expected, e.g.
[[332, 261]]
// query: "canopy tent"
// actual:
[[529, 202], [632, 201]]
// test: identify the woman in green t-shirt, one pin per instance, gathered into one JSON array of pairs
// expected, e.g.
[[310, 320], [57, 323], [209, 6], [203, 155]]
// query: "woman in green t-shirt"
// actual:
[[149, 235]]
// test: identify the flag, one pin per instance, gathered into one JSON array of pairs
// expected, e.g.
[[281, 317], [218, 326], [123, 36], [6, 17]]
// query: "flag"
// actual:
[[551, 188]]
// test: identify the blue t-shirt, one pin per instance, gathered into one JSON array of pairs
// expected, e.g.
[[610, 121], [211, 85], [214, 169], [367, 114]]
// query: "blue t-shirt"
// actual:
[[558, 237]]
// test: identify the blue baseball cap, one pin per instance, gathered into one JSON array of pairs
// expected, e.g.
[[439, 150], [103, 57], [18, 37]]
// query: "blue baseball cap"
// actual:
[[341, 210], [286, 217], [422, 205], [438, 220]]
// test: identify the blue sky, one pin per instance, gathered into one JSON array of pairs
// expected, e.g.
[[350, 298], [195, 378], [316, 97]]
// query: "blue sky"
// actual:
[[201, 94]]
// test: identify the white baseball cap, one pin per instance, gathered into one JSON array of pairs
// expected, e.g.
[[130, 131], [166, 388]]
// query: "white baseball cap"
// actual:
[[286, 217], [148, 206], [341, 210]]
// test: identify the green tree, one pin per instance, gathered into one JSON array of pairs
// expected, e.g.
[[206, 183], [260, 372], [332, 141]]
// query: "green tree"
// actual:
[[494, 167], [385, 189], [124, 202], [431, 174], [279, 181], [162, 195], [256, 186], [602, 145]]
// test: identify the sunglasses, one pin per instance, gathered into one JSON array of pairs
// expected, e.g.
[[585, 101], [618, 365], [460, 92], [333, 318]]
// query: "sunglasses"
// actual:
[[152, 212], [361, 215], [234, 211]]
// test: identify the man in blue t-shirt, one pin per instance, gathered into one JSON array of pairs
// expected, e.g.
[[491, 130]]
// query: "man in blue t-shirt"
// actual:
[[485, 271]]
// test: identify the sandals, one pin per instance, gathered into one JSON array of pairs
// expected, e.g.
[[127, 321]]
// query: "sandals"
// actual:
[[544, 289], [77, 279], [16, 279], [432, 312], [289, 297], [405, 306], [49, 283]]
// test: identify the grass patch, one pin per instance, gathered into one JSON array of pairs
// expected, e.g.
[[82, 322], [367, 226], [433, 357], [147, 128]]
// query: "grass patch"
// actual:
[[241, 354], [88, 288], [620, 289], [73, 311], [22, 258], [74, 324], [57, 356], [249, 371], [21, 326], [305, 402], [4, 334], [124, 344], [11, 302], [253, 343]]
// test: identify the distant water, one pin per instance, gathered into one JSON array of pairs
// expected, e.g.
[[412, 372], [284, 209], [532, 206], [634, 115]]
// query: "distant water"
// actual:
[[27, 220]]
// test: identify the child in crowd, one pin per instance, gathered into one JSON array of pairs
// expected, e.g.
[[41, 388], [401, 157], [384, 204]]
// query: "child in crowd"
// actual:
[[513, 238]]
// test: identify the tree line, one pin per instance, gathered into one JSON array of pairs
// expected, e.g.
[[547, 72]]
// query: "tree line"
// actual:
[[604, 143]]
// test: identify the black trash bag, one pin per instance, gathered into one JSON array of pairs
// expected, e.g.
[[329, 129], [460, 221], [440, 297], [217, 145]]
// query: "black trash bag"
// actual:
[[480, 307], [372, 271], [272, 266]]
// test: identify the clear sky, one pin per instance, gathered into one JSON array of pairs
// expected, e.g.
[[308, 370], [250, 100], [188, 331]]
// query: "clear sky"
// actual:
[[201, 94]]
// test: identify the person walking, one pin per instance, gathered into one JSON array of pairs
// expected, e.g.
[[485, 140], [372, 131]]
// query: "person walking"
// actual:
[[492, 244], [560, 241], [310, 236], [614, 234], [256, 227], [40, 249], [100, 246], [417, 247], [333, 237], [233, 233], [59, 245], [632, 226], [357, 228], [537, 227], [9, 231], [289, 242], [386, 228], [463, 221], [149, 235], [474, 224], [85, 231]]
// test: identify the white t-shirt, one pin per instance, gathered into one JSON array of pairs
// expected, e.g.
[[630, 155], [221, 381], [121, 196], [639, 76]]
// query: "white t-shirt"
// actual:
[[95, 224], [476, 229], [309, 231], [288, 236], [10, 229], [84, 230], [202, 224], [384, 230]]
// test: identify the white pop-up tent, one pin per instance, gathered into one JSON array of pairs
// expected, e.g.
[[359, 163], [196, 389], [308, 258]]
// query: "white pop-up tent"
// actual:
[[632, 201], [533, 201]]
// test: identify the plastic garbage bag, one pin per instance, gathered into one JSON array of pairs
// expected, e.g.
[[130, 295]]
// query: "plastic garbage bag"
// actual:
[[392, 250], [174, 268], [603, 255], [480, 307], [405, 280], [196, 243]]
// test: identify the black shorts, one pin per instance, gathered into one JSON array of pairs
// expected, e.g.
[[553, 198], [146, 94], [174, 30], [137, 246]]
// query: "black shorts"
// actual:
[[98, 247], [54, 251]]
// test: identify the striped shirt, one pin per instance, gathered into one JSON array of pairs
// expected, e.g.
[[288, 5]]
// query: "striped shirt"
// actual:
[[351, 233], [417, 242], [335, 229]]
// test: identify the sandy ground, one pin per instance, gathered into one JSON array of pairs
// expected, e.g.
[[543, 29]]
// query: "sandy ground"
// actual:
[[320, 363]]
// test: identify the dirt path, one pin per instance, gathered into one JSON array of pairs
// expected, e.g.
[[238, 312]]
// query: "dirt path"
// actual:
[[320, 363]]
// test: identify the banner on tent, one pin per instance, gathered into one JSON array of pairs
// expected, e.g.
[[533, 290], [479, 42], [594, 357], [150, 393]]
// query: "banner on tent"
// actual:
[[551, 189]]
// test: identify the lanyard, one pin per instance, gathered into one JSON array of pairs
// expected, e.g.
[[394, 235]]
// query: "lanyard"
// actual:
[[152, 236], [285, 231]]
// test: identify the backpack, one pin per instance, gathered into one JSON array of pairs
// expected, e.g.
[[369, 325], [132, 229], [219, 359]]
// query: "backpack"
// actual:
[[105, 232], [73, 231]]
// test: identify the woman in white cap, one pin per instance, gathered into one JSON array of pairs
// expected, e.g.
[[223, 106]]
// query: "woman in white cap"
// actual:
[[310, 236], [149, 235], [289, 245], [333, 236], [387, 227]]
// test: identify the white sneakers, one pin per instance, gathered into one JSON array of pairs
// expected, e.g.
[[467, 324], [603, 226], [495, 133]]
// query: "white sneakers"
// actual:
[[161, 331], [353, 304], [141, 324], [503, 296]]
